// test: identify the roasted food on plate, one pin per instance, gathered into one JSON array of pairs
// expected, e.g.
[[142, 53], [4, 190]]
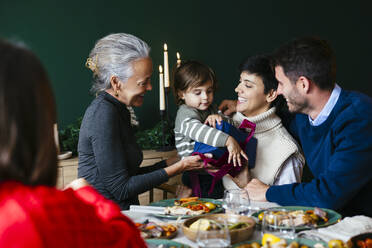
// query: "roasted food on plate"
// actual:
[[151, 230], [300, 217], [190, 206]]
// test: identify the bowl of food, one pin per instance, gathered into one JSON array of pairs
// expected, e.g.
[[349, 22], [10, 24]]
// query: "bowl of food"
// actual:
[[240, 227]]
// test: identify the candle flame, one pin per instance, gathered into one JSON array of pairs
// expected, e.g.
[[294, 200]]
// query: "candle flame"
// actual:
[[160, 69], [178, 55], [165, 47]]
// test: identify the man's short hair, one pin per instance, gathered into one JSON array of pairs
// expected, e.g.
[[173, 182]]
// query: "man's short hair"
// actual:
[[311, 57]]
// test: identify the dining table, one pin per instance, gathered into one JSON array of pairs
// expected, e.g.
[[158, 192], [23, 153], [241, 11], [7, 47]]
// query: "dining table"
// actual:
[[140, 217]]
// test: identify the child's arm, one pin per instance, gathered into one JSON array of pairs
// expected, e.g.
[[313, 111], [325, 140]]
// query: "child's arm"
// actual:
[[188, 123], [231, 144], [193, 128]]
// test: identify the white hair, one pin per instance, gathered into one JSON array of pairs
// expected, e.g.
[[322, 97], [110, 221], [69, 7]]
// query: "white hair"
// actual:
[[113, 56]]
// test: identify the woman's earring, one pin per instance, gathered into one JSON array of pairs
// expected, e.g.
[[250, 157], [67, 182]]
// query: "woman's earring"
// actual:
[[117, 93]]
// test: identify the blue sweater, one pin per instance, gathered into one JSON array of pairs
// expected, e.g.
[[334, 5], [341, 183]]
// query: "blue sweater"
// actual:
[[339, 154]]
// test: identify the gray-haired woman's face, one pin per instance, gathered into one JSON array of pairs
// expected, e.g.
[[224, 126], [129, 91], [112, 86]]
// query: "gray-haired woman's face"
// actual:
[[133, 91]]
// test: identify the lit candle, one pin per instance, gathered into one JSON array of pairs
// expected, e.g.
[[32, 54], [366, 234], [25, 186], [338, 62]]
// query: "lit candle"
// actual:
[[56, 138], [178, 59], [161, 89], [166, 66]]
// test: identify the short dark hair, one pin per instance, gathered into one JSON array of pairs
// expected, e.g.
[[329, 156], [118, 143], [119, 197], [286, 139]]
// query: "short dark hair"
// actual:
[[192, 74], [27, 113], [311, 57], [260, 65]]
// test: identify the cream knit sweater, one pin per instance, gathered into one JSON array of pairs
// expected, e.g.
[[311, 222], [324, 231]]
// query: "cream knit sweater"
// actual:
[[274, 146]]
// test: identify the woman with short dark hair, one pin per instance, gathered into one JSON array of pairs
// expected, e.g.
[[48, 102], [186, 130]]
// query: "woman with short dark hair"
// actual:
[[279, 159]]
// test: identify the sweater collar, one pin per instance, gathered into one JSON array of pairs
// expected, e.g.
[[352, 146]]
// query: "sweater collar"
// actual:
[[121, 106], [327, 109], [264, 121]]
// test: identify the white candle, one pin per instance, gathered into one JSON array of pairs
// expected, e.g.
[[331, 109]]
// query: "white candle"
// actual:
[[166, 66], [56, 138], [178, 59], [161, 89]]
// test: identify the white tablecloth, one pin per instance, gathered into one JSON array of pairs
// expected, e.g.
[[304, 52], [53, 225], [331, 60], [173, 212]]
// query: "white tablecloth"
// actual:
[[141, 217]]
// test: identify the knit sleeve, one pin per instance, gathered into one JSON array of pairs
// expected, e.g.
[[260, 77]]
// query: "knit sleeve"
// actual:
[[190, 124], [154, 167], [112, 163]]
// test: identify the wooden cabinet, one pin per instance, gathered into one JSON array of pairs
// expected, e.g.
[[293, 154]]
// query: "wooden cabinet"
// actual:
[[67, 171]]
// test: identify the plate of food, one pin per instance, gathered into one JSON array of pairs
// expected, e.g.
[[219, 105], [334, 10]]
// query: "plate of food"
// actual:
[[276, 242], [152, 230], [187, 207], [305, 217], [363, 240], [165, 243]]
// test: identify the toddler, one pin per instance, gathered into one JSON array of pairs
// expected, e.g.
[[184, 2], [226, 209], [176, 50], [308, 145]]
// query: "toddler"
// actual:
[[194, 87]]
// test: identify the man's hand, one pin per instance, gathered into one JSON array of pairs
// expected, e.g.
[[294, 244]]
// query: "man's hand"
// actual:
[[257, 190], [228, 107]]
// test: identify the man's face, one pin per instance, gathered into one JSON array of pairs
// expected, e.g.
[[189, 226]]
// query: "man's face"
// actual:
[[296, 102]]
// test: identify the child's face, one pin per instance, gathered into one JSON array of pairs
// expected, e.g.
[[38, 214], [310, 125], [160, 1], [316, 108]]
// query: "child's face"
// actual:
[[200, 97]]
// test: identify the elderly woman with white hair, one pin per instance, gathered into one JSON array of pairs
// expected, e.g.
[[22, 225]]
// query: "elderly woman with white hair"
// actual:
[[109, 157]]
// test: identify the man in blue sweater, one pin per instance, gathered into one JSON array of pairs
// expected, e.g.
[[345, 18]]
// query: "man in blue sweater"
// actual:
[[334, 128]]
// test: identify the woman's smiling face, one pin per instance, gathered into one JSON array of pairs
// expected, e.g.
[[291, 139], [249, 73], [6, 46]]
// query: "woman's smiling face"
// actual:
[[133, 91], [251, 97]]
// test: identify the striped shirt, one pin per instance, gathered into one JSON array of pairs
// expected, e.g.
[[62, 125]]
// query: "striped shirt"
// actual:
[[189, 128]]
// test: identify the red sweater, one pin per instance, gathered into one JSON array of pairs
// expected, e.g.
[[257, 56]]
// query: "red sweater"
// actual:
[[43, 216]]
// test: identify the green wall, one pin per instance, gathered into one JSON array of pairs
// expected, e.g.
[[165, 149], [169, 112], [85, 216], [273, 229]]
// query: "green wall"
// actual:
[[218, 33]]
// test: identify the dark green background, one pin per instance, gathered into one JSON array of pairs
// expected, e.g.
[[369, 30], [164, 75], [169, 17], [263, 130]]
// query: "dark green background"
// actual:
[[218, 33]]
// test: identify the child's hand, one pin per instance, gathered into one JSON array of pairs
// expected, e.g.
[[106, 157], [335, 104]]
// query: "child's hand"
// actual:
[[235, 151], [212, 119]]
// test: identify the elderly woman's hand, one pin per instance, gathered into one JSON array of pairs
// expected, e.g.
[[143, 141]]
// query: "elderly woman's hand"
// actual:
[[193, 163], [186, 164]]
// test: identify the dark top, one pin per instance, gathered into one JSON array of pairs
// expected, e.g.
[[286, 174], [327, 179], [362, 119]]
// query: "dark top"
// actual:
[[109, 157], [339, 154]]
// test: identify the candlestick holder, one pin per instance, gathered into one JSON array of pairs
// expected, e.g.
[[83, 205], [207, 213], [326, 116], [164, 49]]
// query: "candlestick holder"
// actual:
[[164, 147], [167, 89]]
